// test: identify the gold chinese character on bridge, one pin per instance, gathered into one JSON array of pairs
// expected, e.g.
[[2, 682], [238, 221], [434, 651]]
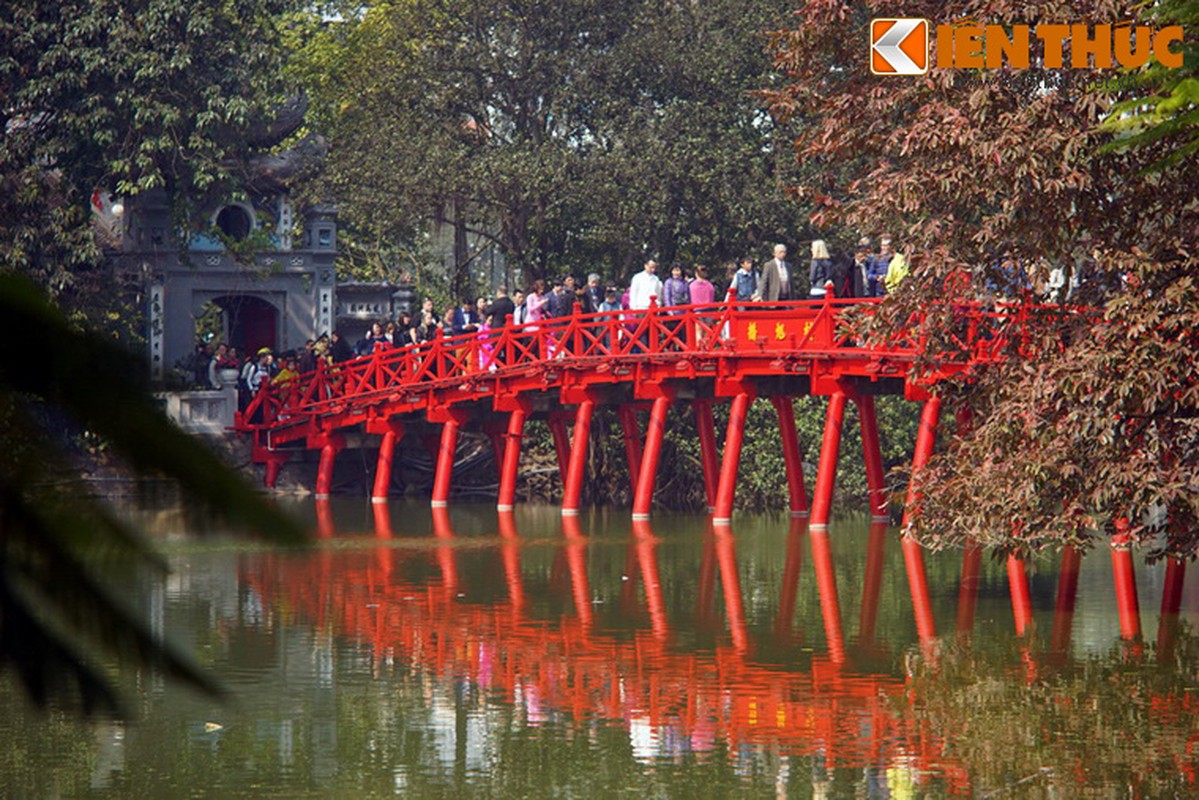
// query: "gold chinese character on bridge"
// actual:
[[780, 331], [752, 331]]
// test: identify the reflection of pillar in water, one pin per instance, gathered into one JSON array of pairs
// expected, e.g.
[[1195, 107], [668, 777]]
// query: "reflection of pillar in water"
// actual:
[[1167, 629], [383, 532], [872, 581], [510, 554], [647, 557], [826, 582], [968, 587], [446, 558], [1063, 607], [324, 519], [730, 580], [705, 593], [576, 559], [791, 569], [913, 554]]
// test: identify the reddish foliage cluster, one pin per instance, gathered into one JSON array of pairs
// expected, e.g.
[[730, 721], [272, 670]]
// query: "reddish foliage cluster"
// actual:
[[965, 166]]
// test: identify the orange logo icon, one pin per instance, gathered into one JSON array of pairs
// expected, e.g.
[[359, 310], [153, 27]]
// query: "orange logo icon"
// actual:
[[899, 46]]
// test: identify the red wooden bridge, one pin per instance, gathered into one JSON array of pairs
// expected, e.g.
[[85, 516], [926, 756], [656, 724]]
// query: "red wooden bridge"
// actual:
[[562, 369]]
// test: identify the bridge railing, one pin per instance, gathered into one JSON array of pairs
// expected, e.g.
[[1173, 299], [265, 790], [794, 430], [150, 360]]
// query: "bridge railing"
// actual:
[[983, 333]]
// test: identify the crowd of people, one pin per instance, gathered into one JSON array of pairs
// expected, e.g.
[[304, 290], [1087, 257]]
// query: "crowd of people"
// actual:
[[867, 273]]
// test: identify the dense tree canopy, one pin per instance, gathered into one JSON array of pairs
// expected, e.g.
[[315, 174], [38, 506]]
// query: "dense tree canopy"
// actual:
[[578, 133], [122, 97], [965, 166]]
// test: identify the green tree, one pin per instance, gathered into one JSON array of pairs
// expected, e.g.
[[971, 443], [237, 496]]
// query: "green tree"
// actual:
[[965, 165], [572, 135], [122, 97]]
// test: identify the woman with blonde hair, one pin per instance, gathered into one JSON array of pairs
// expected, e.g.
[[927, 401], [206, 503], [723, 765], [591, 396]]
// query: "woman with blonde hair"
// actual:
[[821, 270]]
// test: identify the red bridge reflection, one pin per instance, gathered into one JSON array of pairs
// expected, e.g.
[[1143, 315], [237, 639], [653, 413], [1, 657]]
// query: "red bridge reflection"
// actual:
[[670, 698]]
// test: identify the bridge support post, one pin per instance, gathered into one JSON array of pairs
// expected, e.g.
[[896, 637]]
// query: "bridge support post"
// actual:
[[445, 463], [632, 443], [643, 497], [508, 470], [913, 554], [557, 423], [826, 471], [706, 429], [791, 455], [1017, 578], [330, 447], [273, 461], [1127, 603], [577, 464], [387, 448], [872, 454], [731, 460]]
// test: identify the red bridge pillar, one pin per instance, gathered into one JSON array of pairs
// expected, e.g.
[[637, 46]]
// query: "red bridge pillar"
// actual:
[[387, 447], [643, 498], [1127, 603], [706, 429], [873, 456], [444, 473], [577, 464], [632, 443], [511, 465], [330, 445], [913, 554], [726, 490], [791, 455], [557, 423], [826, 471]]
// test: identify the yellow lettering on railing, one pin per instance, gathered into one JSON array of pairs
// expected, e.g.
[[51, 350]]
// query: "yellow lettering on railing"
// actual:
[[752, 331], [780, 331]]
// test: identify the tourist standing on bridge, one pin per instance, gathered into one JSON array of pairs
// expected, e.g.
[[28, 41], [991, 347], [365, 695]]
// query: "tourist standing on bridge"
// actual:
[[675, 291], [519, 307], [820, 271], [876, 271], [776, 277], [644, 285], [700, 290], [465, 318], [501, 308], [593, 294], [745, 280]]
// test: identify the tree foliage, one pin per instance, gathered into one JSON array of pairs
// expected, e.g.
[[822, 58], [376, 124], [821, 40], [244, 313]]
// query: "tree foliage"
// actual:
[[122, 97], [580, 134], [965, 165]]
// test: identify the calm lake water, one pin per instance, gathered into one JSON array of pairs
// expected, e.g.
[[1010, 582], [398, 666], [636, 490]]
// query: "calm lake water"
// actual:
[[472, 657]]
